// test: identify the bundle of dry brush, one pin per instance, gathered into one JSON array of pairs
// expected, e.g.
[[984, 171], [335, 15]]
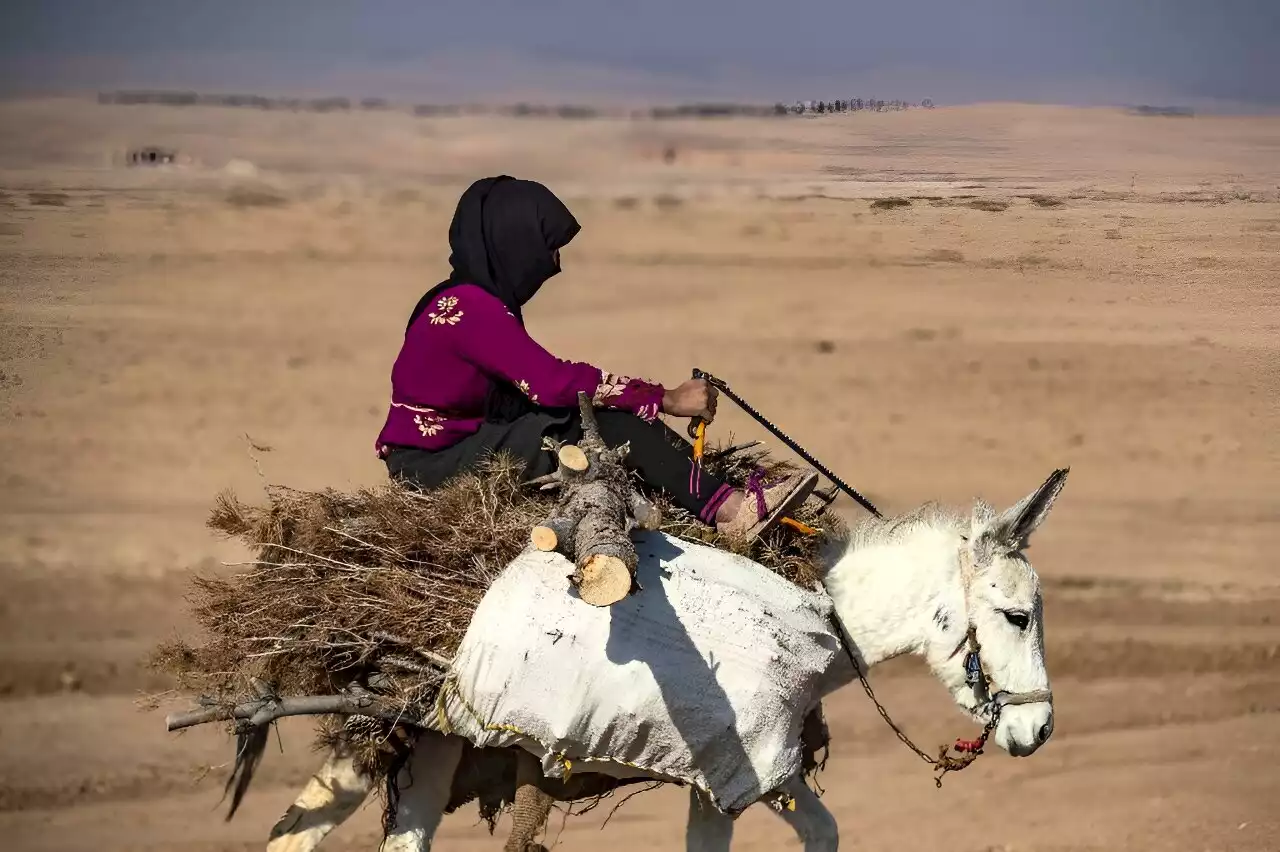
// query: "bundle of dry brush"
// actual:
[[362, 598]]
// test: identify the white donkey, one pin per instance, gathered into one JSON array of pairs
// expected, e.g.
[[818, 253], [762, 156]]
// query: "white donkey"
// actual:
[[938, 584]]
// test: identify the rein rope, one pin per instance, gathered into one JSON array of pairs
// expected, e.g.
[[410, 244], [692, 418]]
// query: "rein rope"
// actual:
[[966, 751]]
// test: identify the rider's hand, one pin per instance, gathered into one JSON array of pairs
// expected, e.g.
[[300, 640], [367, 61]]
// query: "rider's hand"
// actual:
[[694, 398]]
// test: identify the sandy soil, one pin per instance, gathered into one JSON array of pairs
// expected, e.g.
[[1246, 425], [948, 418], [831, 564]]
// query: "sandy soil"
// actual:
[[1111, 302]]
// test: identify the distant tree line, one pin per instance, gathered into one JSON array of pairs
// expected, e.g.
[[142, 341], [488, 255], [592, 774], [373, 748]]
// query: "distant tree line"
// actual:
[[851, 105], [1170, 111], [180, 98], [520, 110], [712, 110]]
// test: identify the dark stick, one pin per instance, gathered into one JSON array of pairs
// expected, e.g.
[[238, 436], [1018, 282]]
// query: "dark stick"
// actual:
[[720, 385], [736, 448], [267, 710], [590, 431]]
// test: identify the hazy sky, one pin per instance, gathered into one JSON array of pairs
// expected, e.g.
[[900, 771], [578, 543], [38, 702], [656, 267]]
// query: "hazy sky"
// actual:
[[1090, 51]]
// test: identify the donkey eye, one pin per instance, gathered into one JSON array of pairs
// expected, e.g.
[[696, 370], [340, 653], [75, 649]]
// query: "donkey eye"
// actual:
[[1019, 620]]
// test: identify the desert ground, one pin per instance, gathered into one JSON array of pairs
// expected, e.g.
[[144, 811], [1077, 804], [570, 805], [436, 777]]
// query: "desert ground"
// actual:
[[941, 304]]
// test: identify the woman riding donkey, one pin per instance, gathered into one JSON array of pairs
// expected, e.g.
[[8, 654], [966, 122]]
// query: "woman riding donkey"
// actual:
[[469, 381]]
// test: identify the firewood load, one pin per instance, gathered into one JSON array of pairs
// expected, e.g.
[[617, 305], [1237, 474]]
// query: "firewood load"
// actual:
[[597, 509], [353, 605]]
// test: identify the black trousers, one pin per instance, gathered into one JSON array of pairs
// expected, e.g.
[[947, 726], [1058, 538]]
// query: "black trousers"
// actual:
[[662, 458]]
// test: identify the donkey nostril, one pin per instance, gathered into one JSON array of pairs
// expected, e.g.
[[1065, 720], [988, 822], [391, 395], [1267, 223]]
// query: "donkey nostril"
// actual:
[[1045, 730]]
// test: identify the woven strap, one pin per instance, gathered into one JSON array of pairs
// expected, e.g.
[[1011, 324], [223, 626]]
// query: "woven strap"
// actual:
[[755, 488]]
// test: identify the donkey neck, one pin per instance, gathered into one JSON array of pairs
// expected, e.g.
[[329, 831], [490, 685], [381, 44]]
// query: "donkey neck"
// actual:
[[887, 592]]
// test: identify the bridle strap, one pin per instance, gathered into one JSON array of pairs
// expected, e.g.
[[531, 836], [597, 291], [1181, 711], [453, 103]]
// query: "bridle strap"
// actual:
[[1036, 696], [988, 702]]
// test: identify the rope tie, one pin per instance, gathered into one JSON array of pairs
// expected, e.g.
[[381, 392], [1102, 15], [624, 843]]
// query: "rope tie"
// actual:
[[755, 488]]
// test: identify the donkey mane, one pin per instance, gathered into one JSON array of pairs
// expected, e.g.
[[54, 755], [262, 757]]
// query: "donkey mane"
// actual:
[[873, 532]]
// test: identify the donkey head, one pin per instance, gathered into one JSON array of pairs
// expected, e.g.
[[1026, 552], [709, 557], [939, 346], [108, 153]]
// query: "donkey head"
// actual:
[[991, 652]]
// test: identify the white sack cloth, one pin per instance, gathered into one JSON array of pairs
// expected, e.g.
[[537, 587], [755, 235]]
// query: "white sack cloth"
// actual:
[[704, 677]]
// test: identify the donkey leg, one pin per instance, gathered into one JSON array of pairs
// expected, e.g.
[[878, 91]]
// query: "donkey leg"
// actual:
[[425, 784], [812, 822], [331, 796], [532, 806], [708, 830]]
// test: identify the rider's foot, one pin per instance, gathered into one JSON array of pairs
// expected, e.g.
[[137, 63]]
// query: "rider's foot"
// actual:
[[752, 512]]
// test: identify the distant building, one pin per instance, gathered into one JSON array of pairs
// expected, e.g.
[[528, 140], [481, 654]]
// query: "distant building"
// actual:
[[152, 156]]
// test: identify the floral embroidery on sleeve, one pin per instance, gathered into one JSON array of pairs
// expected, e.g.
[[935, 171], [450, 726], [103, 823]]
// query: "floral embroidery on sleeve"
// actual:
[[610, 386], [636, 395], [445, 313], [428, 420], [428, 424], [523, 387]]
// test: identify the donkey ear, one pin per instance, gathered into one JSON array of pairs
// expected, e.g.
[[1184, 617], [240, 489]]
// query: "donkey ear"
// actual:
[[1015, 525]]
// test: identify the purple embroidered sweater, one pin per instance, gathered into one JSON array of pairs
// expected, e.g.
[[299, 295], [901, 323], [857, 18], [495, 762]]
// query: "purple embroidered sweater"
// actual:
[[441, 376]]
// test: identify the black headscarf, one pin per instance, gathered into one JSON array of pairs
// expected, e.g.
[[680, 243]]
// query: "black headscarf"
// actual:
[[503, 238]]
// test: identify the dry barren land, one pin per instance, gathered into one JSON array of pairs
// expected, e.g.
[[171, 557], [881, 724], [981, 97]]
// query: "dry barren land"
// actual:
[[940, 304]]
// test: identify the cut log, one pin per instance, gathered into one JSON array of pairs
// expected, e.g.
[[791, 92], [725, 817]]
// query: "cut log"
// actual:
[[554, 534], [603, 580], [573, 464], [597, 509], [572, 458], [544, 538]]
